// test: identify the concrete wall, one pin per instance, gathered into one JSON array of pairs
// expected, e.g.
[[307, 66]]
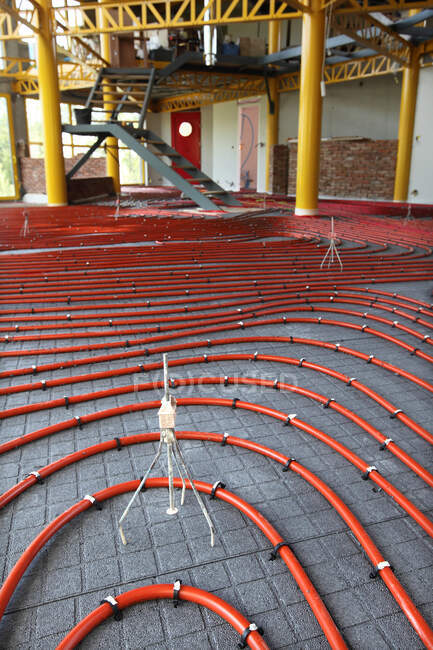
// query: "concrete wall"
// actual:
[[421, 176], [368, 108]]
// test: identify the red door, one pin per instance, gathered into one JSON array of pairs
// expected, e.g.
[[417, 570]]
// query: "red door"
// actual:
[[185, 137]]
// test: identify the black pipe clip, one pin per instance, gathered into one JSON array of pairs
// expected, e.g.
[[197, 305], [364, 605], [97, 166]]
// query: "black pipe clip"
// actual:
[[370, 358], [94, 501], [78, 419], [215, 486], [140, 365], [224, 440], [379, 567], [396, 412], [226, 381], [117, 613], [37, 476], [172, 383], [301, 361], [126, 344], [275, 385], [118, 444], [366, 475], [252, 627], [206, 360], [327, 403], [414, 351], [208, 341], [349, 383], [176, 589], [235, 399], [34, 370], [274, 552], [66, 401], [385, 444], [287, 465], [255, 356]]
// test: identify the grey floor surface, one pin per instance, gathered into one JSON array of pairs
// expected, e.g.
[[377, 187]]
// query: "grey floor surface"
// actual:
[[86, 561]]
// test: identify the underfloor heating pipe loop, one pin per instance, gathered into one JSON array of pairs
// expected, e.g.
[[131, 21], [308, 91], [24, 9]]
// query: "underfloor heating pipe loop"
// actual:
[[318, 607], [223, 609], [373, 553], [201, 330], [135, 388]]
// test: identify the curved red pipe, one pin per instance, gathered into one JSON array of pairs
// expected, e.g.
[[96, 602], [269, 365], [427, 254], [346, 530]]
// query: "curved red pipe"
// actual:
[[157, 592], [323, 617]]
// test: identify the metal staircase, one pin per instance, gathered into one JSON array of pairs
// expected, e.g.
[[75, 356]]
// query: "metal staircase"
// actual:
[[129, 89]]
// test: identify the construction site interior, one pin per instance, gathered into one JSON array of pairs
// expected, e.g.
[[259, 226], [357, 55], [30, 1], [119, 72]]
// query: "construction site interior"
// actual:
[[216, 345]]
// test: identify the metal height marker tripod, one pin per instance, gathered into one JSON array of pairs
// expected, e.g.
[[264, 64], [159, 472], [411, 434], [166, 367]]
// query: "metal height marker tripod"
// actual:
[[167, 422]]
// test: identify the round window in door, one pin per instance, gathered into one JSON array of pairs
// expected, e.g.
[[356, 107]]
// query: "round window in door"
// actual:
[[185, 129]]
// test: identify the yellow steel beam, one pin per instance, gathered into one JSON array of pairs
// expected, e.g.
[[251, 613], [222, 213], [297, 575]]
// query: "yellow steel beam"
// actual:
[[273, 106], [12, 21], [130, 15], [190, 101], [367, 6], [370, 33]]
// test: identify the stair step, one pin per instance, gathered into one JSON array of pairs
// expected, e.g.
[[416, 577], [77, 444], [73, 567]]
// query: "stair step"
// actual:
[[169, 155], [200, 179]]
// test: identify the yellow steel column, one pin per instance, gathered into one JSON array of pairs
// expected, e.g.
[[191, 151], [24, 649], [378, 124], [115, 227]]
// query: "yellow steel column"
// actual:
[[111, 144], [409, 91], [50, 105], [272, 117], [310, 111]]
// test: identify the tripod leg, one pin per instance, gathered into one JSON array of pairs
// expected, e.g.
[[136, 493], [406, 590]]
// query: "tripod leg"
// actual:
[[172, 510], [137, 492], [197, 495], [326, 255], [182, 498]]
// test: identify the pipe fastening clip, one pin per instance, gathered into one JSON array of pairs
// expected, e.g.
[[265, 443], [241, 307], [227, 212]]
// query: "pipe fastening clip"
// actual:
[[34, 370], [394, 323], [224, 440], [235, 399], [43, 384], [215, 486], [337, 347], [301, 361], [241, 324], [287, 465], [78, 419], [256, 354], [93, 501], [274, 552], [426, 336], [37, 476], [205, 359], [176, 589], [365, 314], [363, 327], [349, 383], [385, 444], [226, 380], [414, 351], [396, 412], [172, 383], [327, 403], [382, 565], [331, 298], [208, 341], [252, 627], [285, 320], [117, 613], [366, 475], [289, 419], [275, 384], [319, 320], [370, 358]]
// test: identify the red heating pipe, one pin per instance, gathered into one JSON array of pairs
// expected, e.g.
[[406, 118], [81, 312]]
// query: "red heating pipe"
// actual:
[[158, 592], [321, 613]]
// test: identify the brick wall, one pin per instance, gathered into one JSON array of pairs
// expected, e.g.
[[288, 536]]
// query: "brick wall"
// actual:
[[351, 168], [279, 169], [33, 172]]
